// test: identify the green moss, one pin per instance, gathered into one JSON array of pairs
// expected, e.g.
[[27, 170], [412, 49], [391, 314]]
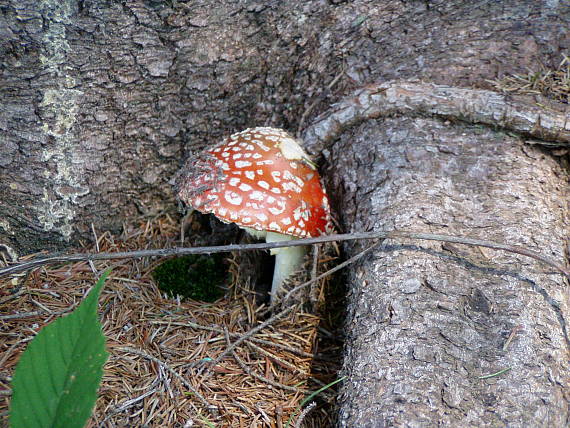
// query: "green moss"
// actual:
[[197, 277]]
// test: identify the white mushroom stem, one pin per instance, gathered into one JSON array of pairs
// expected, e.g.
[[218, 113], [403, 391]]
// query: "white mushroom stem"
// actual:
[[287, 259]]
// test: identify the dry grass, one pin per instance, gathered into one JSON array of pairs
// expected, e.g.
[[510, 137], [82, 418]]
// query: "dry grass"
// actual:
[[160, 347], [553, 84]]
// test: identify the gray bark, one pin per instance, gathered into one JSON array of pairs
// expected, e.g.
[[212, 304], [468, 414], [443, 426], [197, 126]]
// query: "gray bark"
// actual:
[[102, 100], [425, 321]]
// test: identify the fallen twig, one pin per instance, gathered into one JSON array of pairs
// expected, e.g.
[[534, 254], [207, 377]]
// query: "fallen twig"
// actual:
[[170, 370], [249, 334], [304, 414], [251, 339], [251, 373], [177, 251], [311, 396], [330, 271]]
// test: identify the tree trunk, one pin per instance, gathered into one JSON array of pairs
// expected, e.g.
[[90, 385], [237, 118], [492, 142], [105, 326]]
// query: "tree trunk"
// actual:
[[444, 334], [426, 320], [101, 101]]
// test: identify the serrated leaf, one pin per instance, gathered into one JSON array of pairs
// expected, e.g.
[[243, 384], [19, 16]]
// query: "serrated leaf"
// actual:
[[57, 377]]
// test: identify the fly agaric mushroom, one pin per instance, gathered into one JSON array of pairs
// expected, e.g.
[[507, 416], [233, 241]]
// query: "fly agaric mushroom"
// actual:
[[262, 180]]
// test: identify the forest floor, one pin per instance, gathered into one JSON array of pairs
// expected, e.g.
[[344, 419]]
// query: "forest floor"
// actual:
[[162, 369]]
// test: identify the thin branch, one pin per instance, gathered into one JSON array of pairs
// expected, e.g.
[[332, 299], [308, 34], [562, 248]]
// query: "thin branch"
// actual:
[[251, 373], [279, 315], [251, 339], [171, 371], [43, 312], [165, 252], [304, 414], [331, 271], [23, 315], [275, 358], [249, 334]]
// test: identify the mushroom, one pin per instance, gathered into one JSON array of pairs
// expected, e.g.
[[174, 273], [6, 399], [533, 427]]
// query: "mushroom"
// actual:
[[262, 180]]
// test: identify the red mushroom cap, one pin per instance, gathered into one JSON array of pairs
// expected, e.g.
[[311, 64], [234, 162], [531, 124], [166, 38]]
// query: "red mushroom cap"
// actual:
[[259, 178]]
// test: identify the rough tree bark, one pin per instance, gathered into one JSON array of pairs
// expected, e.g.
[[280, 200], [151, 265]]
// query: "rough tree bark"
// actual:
[[101, 100], [426, 321]]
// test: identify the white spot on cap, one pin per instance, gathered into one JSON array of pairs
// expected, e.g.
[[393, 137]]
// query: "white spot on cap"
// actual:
[[274, 226], [262, 216], [301, 212], [288, 176], [225, 154], [245, 187], [275, 210], [246, 219], [263, 184], [276, 190], [289, 185], [286, 220], [233, 198], [265, 162], [262, 146], [243, 164], [237, 156], [256, 195], [276, 176], [234, 181], [250, 175]]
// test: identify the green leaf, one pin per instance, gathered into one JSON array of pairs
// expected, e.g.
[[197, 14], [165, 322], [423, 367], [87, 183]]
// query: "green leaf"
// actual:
[[57, 377]]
